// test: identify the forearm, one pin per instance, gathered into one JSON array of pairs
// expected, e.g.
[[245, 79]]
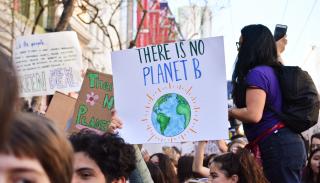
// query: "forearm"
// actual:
[[141, 174], [244, 115], [197, 165]]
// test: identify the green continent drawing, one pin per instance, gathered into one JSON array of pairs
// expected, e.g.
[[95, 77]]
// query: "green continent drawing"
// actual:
[[163, 120], [171, 114]]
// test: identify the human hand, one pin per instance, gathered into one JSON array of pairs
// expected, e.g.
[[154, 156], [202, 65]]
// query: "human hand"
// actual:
[[115, 123], [145, 154], [281, 44]]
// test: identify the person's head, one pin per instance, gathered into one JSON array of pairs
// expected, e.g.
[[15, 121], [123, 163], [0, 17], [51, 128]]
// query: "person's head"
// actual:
[[315, 141], [35, 151], [239, 167], [256, 47], [311, 173], [101, 158], [209, 159], [236, 144], [8, 94], [166, 166], [156, 173], [185, 168]]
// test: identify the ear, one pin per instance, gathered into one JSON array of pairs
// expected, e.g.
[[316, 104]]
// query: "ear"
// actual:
[[234, 178], [120, 180]]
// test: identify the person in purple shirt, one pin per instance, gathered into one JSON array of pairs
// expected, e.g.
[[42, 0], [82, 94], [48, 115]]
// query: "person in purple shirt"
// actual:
[[256, 87]]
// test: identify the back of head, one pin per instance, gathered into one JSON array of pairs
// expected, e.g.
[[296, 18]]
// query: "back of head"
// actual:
[[167, 167], [185, 168], [114, 157], [241, 164], [257, 47], [156, 173], [31, 136], [8, 94]]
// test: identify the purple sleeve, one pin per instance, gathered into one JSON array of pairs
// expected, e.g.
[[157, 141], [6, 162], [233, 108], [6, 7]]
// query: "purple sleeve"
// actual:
[[256, 78]]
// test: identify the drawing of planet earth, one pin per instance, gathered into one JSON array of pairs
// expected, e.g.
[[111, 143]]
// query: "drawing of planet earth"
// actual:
[[171, 114]]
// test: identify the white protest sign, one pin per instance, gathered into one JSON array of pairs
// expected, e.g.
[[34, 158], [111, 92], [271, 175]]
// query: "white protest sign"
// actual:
[[172, 92], [48, 62]]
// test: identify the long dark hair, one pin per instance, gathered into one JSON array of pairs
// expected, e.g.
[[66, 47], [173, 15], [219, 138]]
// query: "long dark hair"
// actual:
[[258, 47], [167, 167], [243, 164], [308, 173]]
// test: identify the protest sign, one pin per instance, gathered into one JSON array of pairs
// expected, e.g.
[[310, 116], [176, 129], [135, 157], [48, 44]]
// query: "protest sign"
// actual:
[[94, 104], [61, 109], [172, 92], [48, 62]]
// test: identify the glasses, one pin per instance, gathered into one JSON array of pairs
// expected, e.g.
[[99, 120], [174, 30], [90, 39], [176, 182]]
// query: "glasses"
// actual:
[[238, 45]]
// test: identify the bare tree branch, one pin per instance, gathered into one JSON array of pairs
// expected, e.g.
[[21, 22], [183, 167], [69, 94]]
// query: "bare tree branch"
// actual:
[[42, 8], [68, 7], [113, 26]]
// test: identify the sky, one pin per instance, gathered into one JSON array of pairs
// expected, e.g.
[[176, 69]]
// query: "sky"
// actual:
[[301, 16]]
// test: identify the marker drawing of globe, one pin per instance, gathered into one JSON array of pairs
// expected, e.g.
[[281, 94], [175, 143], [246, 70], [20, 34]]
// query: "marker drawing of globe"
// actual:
[[171, 114]]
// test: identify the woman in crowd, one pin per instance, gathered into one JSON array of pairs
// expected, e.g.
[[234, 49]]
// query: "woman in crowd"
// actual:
[[255, 85], [8, 94], [239, 167], [35, 151], [166, 166], [101, 158], [311, 173], [156, 173], [185, 168]]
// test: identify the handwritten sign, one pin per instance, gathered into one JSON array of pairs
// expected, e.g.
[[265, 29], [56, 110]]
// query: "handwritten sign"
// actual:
[[172, 92], [95, 101], [48, 62], [61, 109]]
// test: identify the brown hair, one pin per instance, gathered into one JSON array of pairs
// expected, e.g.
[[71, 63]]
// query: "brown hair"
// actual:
[[243, 164], [8, 94], [36, 137]]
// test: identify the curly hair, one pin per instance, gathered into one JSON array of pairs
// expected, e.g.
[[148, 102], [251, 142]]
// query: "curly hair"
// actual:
[[243, 164], [114, 157]]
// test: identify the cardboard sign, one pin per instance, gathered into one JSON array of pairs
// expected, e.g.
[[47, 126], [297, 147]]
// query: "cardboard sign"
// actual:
[[95, 102], [48, 62], [172, 92], [61, 109]]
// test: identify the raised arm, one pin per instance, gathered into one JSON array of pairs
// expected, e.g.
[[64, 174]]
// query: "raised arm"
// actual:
[[197, 165]]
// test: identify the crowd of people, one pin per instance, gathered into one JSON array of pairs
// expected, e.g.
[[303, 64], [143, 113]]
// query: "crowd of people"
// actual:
[[34, 150]]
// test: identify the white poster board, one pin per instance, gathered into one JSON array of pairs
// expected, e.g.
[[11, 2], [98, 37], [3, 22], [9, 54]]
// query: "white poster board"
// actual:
[[48, 62], [172, 92]]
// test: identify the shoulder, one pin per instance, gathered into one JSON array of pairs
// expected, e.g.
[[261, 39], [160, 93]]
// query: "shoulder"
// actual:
[[262, 69]]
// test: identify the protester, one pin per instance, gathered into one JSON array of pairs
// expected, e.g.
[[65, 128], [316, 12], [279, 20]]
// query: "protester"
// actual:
[[156, 173], [35, 152], [239, 167], [315, 141], [185, 168], [8, 94], [255, 85], [101, 158], [311, 172], [166, 166]]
